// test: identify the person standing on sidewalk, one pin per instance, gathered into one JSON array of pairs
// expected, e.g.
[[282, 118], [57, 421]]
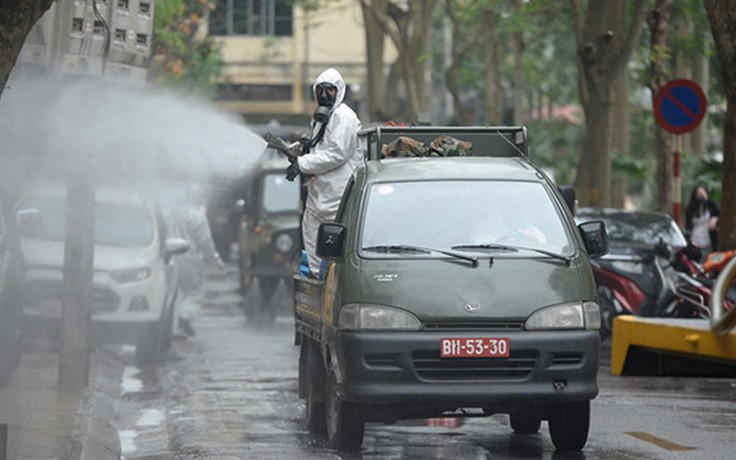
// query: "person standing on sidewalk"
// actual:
[[190, 223]]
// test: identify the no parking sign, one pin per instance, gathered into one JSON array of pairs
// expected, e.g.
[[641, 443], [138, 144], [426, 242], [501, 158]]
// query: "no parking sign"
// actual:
[[679, 106]]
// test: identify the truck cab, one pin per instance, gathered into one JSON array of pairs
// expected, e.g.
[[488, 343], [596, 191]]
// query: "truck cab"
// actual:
[[269, 236], [453, 285]]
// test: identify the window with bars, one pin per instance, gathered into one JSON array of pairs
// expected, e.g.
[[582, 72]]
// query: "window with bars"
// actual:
[[252, 17]]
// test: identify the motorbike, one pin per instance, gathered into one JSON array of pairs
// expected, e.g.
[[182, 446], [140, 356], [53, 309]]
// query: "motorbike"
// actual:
[[657, 282], [693, 287]]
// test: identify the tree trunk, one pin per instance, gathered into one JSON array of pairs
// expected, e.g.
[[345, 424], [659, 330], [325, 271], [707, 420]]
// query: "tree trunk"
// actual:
[[604, 48], [458, 53], [658, 20], [701, 75], [374, 39], [17, 17], [722, 17], [620, 138]]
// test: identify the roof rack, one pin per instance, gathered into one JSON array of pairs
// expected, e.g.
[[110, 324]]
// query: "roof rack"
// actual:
[[488, 141]]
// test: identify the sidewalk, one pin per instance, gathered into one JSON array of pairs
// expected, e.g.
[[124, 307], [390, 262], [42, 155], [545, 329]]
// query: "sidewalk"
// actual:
[[46, 422]]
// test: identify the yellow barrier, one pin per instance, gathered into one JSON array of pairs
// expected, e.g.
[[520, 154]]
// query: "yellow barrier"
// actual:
[[680, 336]]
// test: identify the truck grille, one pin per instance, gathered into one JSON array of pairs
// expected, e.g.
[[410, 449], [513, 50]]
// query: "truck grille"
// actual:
[[476, 326], [430, 366]]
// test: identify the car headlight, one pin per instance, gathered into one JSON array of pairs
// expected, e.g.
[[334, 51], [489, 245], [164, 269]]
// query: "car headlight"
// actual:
[[131, 276], [284, 242], [585, 315], [376, 317]]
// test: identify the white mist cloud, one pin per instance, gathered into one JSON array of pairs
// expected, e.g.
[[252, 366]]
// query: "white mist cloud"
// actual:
[[51, 127]]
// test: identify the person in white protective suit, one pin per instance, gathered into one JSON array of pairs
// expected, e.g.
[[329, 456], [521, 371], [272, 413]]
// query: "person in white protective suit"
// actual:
[[189, 222], [335, 152]]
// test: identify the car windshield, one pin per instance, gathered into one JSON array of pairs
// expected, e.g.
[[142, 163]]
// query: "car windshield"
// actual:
[[116, 224], [464, 216], [639, 227], [279, 194]]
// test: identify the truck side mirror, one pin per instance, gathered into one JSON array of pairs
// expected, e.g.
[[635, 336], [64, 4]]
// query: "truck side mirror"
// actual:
[[595, 237], [331, 241]]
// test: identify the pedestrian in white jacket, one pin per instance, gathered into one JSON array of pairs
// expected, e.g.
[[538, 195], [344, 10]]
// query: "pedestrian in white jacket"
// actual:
[[335, 153]]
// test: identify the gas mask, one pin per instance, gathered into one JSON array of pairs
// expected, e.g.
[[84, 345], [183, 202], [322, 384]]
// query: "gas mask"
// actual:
[[324, 98]]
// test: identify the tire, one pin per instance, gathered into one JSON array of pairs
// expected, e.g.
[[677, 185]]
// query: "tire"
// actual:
[[168, 331], [314, 379], [569, 425], [10, 337], [148, 349], [303, 351], [345, 424], [525, 421]]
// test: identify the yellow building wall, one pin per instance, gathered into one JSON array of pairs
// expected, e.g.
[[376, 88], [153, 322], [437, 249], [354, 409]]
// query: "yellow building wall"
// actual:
[[333, 36]]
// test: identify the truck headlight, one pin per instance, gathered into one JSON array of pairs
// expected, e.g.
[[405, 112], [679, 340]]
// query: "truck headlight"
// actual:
[[134, 275], [376, 317], [284, 242], [585, 315]]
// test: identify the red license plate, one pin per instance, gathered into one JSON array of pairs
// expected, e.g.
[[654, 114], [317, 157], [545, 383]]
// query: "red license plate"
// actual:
[[487, 347]]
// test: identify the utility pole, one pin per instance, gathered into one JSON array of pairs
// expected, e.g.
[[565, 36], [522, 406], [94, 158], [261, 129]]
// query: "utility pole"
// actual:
[[98, 39]]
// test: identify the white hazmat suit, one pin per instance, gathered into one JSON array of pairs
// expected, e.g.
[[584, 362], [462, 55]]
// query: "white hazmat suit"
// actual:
[[329, 165], [190, 223]]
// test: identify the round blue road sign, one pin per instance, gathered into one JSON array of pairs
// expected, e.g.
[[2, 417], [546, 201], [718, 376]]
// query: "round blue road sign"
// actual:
[[679, 106]]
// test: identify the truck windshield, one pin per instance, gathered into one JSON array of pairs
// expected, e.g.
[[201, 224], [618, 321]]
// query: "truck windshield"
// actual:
[[280, 195], [512, 218]]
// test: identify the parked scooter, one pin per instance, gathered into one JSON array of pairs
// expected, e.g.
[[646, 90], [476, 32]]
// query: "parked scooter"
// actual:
[[694, 287], [638, 283]]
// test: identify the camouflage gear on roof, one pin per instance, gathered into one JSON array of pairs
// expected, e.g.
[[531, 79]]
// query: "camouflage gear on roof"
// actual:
[[446, 146], [402, 147], [443, 146]]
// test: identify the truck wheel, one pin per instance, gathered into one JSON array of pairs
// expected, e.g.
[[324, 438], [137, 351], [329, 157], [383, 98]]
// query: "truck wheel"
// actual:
[[345, 424], [303, 350], [525, 421], [315, 404], [569, 424]]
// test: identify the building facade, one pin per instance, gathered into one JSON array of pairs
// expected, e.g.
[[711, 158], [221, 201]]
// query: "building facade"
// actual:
[[273, 51]]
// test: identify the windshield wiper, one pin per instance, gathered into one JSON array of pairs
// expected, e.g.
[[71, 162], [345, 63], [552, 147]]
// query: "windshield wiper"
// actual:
[[407, 248], [494, 247], [503, 247]]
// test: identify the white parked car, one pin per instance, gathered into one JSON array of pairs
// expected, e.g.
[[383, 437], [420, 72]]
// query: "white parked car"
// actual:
[[134, 279]]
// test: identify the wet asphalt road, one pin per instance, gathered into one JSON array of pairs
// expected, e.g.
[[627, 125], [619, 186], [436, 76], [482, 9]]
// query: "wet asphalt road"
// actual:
[[230, 392]]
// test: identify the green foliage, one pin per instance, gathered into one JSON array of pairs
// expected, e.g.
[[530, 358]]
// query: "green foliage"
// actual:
[[181, 59], [556, 145]]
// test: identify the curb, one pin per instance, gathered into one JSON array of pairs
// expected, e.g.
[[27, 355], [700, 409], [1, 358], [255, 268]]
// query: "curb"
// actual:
[[94, 437]]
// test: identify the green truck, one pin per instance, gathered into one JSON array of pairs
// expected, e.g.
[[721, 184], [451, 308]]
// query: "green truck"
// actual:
[[455, 283]]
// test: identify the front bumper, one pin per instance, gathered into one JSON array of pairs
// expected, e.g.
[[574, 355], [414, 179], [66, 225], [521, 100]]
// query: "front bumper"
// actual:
[[404, 370]]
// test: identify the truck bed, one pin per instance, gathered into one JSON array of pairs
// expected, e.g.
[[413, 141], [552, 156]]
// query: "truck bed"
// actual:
[[307, 306]]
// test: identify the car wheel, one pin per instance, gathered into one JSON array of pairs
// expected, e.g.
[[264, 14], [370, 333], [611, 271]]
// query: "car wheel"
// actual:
[[314, 380], [168, 330], [148, 348], [525, 421], [345, 424], [569, 425], [10, 337], [9, 349]]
